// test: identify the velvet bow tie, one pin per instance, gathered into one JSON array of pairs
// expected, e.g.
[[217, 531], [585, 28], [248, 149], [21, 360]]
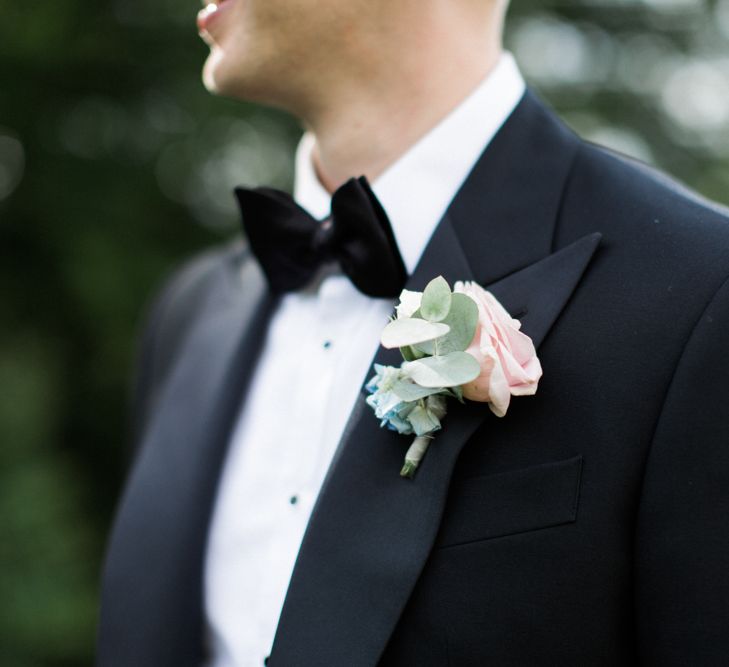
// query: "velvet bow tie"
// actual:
[[291, 245]]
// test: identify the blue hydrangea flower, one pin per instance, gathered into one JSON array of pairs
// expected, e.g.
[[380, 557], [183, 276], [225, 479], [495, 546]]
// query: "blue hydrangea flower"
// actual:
[[420, 417], [388, 406]]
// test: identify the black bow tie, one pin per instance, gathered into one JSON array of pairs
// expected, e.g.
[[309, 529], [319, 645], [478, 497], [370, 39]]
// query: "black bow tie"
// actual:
[[291, 245]]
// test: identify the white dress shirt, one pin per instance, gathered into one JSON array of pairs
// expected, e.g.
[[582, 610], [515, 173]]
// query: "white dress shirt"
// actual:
[[317, 353]]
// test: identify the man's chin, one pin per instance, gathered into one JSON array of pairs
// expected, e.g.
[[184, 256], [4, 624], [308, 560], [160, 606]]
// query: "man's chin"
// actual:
[[213, 76], [222, 83], [221, 79]]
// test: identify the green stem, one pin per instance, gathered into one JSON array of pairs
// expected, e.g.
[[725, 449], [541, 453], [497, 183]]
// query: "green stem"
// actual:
[[414, 455]]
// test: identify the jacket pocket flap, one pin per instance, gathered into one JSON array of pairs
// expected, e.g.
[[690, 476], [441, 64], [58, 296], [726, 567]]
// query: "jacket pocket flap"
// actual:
[[480, 508]]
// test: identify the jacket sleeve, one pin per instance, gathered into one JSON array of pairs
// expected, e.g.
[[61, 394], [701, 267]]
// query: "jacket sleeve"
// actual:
[[682, 531]]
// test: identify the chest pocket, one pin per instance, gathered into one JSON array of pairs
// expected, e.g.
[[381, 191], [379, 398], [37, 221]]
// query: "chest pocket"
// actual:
[[517, 501]]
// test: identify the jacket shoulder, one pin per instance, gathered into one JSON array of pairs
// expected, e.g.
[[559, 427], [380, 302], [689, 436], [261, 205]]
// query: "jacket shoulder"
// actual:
[[664, 252], [648, 217], [193, 291], [645, 195]]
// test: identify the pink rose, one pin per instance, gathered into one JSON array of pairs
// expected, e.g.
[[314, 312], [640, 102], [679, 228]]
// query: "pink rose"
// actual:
[[509, 363]]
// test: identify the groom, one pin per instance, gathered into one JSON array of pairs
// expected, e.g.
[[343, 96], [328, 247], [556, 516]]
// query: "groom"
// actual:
[[264, 520]]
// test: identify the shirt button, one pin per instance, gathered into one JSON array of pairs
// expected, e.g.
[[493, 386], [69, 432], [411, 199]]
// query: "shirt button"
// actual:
[[294, 499], [327, 344]]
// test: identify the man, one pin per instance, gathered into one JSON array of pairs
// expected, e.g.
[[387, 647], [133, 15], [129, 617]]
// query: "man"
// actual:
[[264, 521]]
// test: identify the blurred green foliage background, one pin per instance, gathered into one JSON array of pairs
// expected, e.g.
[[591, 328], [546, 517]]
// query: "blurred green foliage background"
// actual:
[[115, 164]]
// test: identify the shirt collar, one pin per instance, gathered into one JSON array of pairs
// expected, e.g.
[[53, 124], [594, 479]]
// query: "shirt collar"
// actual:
[[416, 190]]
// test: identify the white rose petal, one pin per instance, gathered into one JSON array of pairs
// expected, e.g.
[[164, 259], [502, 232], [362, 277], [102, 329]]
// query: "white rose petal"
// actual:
[[409, 303]]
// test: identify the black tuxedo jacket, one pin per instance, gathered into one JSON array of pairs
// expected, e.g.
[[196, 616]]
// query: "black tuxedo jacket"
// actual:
[[590, 526]]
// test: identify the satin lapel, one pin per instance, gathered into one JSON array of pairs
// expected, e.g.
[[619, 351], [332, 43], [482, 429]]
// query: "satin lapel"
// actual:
[[537, 294], [158, 540], [371, 531], [506, 211]]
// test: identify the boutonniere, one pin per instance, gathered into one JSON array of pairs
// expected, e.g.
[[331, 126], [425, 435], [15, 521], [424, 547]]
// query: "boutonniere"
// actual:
[[462, 345]]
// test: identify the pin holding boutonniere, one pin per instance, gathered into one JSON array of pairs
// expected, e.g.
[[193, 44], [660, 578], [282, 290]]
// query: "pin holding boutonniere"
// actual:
[[461, 344]]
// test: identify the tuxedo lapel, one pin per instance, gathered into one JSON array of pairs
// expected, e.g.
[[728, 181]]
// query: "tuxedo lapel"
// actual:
[[506, 212], [371, 531], [158, 539], [537, 294]]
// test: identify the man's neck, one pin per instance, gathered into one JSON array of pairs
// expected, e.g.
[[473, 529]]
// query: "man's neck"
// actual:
[[364, 129]]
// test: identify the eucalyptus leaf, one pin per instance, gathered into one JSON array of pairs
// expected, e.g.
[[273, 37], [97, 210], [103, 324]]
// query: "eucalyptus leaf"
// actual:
[[410, 331], [409, 391], [449, 370], [425, 349], [436, 301], [423, 421], [457, 393], [411, 353], [408, 353], [462, 320]]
